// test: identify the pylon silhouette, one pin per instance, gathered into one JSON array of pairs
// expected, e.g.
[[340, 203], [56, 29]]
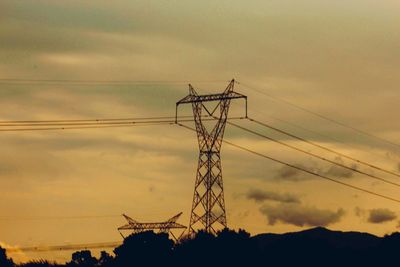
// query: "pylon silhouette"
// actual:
[[208, 206]]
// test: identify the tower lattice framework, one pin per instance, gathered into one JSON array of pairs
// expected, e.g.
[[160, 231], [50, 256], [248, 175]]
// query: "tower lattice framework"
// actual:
[[160, 227], [208, 206]]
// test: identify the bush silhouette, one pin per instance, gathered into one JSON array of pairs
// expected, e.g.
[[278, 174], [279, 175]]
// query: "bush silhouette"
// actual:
[[40, 263]]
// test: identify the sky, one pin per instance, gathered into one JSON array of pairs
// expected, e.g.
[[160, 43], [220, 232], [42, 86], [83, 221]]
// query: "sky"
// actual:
[[339, 59]]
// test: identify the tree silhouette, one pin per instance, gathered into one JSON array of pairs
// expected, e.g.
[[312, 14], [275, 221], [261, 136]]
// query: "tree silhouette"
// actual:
[[144, 249], [227, 248], [82, 259], [105, 260], [4, 261], [234, 247], [313, 247]]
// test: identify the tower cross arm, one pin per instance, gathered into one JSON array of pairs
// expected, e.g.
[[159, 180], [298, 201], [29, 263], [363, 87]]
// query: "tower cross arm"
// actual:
[[210, 97], [194, 98]]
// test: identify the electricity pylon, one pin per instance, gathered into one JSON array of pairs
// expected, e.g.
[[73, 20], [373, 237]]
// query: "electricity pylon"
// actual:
[[208, 206], [160, 227]]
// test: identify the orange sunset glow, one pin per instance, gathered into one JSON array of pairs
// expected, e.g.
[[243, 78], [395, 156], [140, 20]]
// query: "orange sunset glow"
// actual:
[[321, 83]]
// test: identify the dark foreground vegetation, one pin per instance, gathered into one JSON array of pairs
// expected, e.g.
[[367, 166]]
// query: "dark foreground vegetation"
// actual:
[[314, 247]]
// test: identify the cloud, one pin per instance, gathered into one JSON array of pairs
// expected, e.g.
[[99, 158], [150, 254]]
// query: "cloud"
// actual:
[[291, 174], [359, 212], [244, 214], [152, 188], [149, 40], [260, 196], [381, 216], [340, 172], [300, 215]]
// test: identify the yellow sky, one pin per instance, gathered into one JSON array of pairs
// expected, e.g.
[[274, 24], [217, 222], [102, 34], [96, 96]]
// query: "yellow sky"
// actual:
[[338, 58]]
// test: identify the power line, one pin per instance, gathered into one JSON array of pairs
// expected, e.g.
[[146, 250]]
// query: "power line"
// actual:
[[321, 116], [90, 120], [81, 127], [40, 126], [64, 247], [41, 218], [115, 244], [313, 173], [314, 132], [331, 138], [97, 82], [151, 212], [298, 126], [323, 147], [85, 123], [304, 170], [88, 123], [315, 155]]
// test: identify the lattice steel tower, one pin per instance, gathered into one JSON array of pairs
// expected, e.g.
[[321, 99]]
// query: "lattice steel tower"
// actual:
[[208, 207]]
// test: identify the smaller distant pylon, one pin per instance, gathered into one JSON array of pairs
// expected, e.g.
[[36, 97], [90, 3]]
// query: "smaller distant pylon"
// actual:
[[158, 227]]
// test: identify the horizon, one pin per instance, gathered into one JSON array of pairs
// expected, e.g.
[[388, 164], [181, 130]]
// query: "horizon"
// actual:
[[310, 235]]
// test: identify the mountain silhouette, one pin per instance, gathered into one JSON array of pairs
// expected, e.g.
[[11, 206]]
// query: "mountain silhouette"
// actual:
[[321, 235], [321, 247]]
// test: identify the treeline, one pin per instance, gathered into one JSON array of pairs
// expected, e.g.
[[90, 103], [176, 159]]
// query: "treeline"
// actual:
[[315, 247]]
